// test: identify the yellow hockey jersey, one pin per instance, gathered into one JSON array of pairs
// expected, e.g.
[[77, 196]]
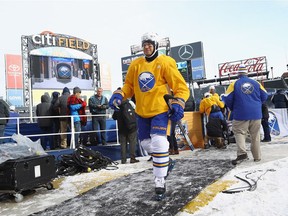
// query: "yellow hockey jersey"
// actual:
[[150, 81]]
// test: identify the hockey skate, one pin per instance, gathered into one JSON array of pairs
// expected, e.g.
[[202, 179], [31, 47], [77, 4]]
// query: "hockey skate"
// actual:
[[160, 188], [170, 166]]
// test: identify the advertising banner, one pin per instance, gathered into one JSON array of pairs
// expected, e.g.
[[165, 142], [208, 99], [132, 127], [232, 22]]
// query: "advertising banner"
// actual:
[[105, 76], [14, 75], [198, 69], [254, 65], [187, 51], [15, 97]]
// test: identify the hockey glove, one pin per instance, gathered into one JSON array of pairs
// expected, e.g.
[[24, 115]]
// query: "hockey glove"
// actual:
[[116, 100], [176, 112]]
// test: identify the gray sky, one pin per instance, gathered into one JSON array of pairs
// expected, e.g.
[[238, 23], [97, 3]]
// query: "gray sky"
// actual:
[[230, 30]]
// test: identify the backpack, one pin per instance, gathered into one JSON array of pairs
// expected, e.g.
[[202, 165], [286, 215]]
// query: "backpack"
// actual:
[[128, 114]]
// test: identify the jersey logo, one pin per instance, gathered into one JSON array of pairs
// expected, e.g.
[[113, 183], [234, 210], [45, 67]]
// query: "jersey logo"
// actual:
[[273, 124], [146, 81], [247, 88]]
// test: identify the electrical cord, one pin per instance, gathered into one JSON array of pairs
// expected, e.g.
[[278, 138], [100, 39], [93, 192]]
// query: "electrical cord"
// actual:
[[83, 159], [251, 186]]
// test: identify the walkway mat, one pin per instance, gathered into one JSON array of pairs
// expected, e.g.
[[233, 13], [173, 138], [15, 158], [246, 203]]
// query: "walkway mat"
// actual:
[[134, 194]]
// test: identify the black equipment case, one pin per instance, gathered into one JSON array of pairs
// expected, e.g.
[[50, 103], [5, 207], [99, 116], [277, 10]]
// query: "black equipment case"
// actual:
[[17, 175]]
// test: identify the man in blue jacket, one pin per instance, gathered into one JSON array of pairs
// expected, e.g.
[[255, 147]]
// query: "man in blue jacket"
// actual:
[[245, 97]]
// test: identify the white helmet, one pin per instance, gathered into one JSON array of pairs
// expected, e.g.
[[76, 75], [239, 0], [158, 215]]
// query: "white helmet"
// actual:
[[152, 38]]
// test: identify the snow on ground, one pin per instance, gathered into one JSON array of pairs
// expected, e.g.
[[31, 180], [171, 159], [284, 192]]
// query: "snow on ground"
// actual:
[[269, 198]]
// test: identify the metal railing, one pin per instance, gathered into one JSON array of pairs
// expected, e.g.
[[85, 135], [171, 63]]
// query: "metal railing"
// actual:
[[72, 132]]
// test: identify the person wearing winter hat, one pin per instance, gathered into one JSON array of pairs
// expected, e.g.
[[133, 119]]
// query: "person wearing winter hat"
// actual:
[[61, 104], [212, 91], [76, 108], [245, 97]]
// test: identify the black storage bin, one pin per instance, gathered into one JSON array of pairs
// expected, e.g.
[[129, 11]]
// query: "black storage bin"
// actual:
[[17, 175]]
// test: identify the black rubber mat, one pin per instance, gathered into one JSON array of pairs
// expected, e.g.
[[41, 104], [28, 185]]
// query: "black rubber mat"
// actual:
[[134, 194]]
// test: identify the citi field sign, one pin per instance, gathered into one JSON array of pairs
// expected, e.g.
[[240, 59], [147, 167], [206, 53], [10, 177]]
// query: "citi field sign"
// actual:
[[50, 39]]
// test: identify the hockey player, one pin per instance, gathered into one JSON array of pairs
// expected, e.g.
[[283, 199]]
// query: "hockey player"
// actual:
[[149, 78]]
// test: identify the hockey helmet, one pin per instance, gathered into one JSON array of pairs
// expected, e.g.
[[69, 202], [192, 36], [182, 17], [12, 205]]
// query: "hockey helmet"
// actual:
[[152, 38]]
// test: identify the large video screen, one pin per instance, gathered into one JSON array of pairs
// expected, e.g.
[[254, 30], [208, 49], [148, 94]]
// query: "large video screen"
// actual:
[[57, 72]]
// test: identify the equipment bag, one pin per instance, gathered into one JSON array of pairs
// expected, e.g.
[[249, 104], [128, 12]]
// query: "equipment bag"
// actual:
[[128, 114]]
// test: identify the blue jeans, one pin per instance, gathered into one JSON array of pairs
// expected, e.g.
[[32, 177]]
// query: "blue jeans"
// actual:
[[77, 127], [96, 122]]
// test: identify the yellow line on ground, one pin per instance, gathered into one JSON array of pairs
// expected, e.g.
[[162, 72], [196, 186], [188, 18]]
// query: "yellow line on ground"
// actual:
[[88, 184], [207, 195]]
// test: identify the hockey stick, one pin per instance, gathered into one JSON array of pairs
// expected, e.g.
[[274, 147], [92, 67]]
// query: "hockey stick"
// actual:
[[168, 97]]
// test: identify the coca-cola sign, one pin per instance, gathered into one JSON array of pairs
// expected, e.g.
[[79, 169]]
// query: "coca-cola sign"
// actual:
[[254, 65]]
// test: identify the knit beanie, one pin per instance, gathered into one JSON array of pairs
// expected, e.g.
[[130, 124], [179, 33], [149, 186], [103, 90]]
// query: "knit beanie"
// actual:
[[76, 90]]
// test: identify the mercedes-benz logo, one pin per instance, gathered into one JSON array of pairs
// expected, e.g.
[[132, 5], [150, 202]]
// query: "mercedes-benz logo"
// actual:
[[186, 52]]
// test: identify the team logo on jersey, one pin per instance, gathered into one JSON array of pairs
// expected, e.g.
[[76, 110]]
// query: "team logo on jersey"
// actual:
[[247, 88], [273, 124], [146, 81]]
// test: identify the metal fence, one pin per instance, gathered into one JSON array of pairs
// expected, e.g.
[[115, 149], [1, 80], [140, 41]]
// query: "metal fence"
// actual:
[[72, 131]]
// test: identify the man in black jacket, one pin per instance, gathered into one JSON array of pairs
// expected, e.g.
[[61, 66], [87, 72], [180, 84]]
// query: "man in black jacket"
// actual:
[[127, 130], [61, 104], [280, 99], [45, 123]]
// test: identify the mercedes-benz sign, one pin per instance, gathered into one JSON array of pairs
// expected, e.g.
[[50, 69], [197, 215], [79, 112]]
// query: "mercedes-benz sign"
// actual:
[[186, 52]]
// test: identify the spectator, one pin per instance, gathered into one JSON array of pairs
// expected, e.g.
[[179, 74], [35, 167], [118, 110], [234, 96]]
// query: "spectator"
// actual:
[[280, 99], [213, 93], [211, 106], [98, 104], [217, 131], [55, 121], [127, 130], [265, 123], [76, 107], [4, 113], [44, 109], [244, 98], [13, 115], [61, 104]]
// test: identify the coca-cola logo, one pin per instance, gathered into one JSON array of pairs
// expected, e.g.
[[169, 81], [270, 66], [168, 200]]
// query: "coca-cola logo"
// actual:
[[13, 67], [253, 65]]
